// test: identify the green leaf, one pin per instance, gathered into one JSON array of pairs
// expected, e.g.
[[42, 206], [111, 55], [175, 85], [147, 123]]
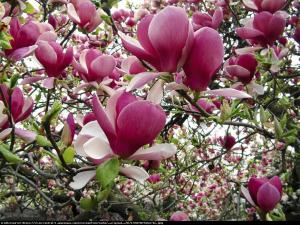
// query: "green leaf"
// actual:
[[103, 195], [53, 113], [107, 172], [88, 203], [9, 156], [14, 80], [68, 155], [29, 8], [43, 141], [262, 115], [278, 129]]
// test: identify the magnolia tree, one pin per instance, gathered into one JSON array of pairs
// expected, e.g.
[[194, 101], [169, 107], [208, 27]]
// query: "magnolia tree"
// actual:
[[160, 110]]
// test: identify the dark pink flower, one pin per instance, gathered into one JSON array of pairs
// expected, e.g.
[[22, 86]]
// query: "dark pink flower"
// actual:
[[154, 178], [85, 14], [164, 39], [228, 142], [204, 60], [264, 193], [127, 124], [52, 57], [264, 29], [264, 5], [205, 20], [21, 107], [25, 37], [94, 66], [242, 67]]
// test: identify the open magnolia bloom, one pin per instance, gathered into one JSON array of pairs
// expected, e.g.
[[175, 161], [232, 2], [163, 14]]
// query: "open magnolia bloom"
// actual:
[[263, 29], [21, 108], [264, 5], [122, 129], [25, 37], [164, 39]]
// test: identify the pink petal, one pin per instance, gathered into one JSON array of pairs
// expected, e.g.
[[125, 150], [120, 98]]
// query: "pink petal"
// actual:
[[277, 183], [80, 180], [250, 4], [5, 133], [26, 135], [139, 80], [134, 172], [103, 119], [31, 80], [103, 66], [248, 33], [247, 195], [156, 93], [136, 128], [228, 92], [72, 13], [165, 38], [253, 186], [204, 60], [237, 71], [49, 82], [21, 53], [27, 109], [46, 55], [96, 148], [268, 197], [156, 152], [217, 18]]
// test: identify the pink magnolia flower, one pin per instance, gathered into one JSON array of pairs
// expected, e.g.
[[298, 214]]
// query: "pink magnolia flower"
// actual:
[[264, 29], [25, 38], [228, 142], [68, 132], [204, 60], [242, 67], [85, 14], [264, 193], [154, 178], [179, 216], [164, 39], [205, 20], [94, 66], [20, 110], [52, 57], [264, 5], [122, 129]]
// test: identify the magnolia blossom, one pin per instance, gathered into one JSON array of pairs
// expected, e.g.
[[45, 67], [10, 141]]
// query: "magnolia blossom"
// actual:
[[228, 142], [264, 29], [264, 5], [164, 39], [68, 132], [25, 38], [85, 14], [122, 129], [52, 57], [264, 193], [242, 67], [20, 109], [94, 66], [179, 216], [205, 20], [204, 60]]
